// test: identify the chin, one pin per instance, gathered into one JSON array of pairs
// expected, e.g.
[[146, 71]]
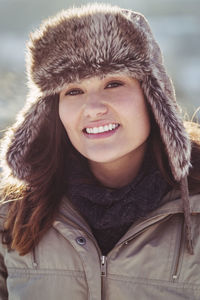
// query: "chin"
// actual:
[[103, 160], [103, 157]]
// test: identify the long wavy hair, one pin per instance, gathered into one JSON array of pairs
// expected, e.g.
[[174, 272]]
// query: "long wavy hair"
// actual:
[[32, 207]]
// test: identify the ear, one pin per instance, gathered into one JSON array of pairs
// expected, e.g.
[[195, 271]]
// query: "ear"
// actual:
[[172, 131], [20, 137]]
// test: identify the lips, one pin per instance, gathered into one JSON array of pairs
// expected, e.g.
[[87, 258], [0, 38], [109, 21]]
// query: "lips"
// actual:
[[102, 131]]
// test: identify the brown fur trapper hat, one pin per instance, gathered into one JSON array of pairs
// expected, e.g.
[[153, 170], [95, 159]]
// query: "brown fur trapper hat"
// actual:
[[95, 40]]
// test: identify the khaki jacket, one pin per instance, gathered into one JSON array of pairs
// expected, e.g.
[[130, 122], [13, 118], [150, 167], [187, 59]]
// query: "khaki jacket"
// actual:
[[150, 261]]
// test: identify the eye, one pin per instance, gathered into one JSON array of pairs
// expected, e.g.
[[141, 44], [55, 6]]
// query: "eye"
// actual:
[[114, 84], [73, 92]]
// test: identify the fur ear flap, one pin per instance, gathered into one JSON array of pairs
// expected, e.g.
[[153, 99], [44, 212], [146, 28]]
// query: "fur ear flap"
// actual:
[[19, 138], [160, 94], [172, 131]]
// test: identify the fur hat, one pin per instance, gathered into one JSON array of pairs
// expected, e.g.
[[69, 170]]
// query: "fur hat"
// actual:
[[95, 40]]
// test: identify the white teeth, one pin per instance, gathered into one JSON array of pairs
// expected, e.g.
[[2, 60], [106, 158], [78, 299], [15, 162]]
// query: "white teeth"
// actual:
[[111, 126], [101, 128], [88, 130]]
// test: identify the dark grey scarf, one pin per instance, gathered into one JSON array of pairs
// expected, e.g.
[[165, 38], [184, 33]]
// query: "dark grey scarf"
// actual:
[[110, 212]]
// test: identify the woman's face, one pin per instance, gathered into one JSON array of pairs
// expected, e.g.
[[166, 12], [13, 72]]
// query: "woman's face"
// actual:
[[105, 119]]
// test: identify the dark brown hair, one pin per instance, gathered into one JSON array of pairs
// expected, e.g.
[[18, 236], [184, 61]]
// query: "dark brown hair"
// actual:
[[36, 203]]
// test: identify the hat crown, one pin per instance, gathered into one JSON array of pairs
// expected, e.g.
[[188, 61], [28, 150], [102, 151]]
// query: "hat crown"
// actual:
[[92, 40]]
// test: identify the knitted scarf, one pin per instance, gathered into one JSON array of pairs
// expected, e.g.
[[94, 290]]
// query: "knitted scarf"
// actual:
[[111, 211]]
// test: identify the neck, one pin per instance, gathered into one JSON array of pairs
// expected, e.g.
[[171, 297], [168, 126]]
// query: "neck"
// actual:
[[120, 172]]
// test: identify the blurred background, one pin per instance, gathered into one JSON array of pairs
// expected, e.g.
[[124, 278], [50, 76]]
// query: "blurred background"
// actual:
[[175, 23]]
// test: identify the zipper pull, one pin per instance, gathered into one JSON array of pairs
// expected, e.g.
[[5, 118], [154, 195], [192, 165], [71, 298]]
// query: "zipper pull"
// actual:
[[103, 265]]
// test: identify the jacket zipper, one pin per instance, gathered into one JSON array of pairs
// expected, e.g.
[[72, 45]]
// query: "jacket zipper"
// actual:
[[103, 275], [178, 254], [103, 265]]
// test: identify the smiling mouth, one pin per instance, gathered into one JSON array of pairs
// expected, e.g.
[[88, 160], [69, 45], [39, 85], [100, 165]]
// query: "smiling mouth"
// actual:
[[101, 129]]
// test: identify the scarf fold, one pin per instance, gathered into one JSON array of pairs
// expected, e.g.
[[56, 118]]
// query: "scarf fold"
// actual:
[[111, 211]]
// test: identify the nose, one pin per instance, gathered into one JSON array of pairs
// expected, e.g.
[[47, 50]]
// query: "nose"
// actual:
[[94, 107]]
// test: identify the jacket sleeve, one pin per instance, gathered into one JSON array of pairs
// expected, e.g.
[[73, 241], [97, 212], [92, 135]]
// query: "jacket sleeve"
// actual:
[[3, 270]]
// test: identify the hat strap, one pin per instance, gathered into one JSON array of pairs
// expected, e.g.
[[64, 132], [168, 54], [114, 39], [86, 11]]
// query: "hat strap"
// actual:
[[187, 213]]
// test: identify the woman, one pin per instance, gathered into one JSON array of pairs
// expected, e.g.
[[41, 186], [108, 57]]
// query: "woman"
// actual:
[[95, 195]]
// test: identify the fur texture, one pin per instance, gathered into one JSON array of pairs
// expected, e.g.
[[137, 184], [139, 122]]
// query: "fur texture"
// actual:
[[95, 40]]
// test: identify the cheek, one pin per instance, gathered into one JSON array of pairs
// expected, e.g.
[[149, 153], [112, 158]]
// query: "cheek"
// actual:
[[143, 120], [138, 117], [142, 112], [69, 117], [66, 115]]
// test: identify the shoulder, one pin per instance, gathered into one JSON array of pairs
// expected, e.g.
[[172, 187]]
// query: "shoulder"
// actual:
[[195, 204]]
